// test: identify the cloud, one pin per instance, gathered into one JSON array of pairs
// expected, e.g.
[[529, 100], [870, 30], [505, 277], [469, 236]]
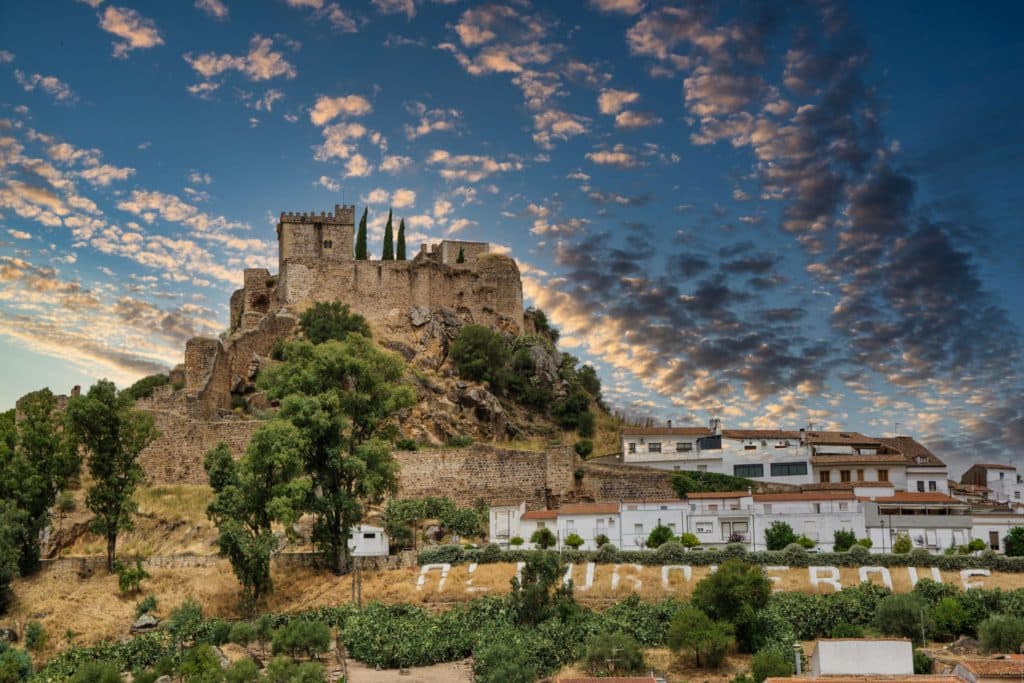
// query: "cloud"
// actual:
[[556, 124], [617, 156], [357, 167], [136, 31], [339, 141], [311, 4], [266, 103], [406, 7], [204, 89], [394, 163], [459, 225], [623, 6], [403, 198], [19, 234], [51, 85], [340, 20], [469, 167], [328, 183], [636, 119], [328, 108], [104, 174], [215, 8], [612, 101], [430, 120], [261, 63]]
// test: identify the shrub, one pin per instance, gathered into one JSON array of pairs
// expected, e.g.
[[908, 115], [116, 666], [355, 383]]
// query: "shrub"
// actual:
[[515, 541], [479, 353], [129, 579], [689, 540], [695, 482], [974, 546], [15, 664], [692, 630], [459, 441], [601, 540], [659, 535], [922, 663], [949, 618], [1013, 542], [806, 542], [302, 637], [902, 544], [865, 542], [1001, 633], [859, 552], [779, 535], [35, 636], [242, 671], [146, 605], [843, 540], [904, 614], [585, 424], [145, 386], [218, 632], [771, 662], [281, 670], [185, 622], [326, 320], [242, 633], [505, 661], [406, 445], [735, 593], [611, 654], [583, 448], [568, 411], [574, 541], [543, 538], [97, 672], [846, 630], [201, 665]]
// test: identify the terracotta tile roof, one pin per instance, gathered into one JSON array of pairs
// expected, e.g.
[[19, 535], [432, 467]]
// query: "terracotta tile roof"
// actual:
[[666, 431], [914, 451], [855, 459], [866, 678], [717, 494], [766, 434], [810, 496], [1001, 665], [841, 439], [589, 509], [540, 514], [917, 497], [968, 488], [995, 466], [847, 485]]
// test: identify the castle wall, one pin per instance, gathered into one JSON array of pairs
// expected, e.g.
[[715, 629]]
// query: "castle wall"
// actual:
[[176, 457]]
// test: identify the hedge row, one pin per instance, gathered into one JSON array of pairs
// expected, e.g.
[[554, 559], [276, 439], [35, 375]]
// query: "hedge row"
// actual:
[[675, 553]]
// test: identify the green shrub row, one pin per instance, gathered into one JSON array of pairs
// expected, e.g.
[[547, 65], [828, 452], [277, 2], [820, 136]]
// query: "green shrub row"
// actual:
[[675, 553]]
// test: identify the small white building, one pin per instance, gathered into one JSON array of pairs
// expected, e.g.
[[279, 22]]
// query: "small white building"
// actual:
[[815, 514], [640, 517], [369, 541], [992, 526], [1005, 485], [720, 518], [588, 521], [860, 656], [504, 522], [933, 521]]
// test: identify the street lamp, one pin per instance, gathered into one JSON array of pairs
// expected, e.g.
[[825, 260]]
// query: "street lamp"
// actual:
[[882, 524]]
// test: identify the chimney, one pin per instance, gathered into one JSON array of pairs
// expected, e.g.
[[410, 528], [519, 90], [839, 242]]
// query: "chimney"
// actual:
[[670, 424]]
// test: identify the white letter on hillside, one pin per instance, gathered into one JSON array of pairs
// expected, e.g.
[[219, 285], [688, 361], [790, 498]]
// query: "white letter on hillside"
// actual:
[[636, 582], [444, 568], [886, 576], [777, 580], [685, 569], [912, 572], [832, 579], [966, 574], [470, 588]]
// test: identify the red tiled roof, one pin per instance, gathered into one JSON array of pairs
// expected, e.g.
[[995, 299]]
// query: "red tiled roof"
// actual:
[[540, 514], [717, 494], [841, 439], [666, 431], [803, 495], [1001, 665], [916, 497], [589, 509], [774, 434], [914, 451], [996, 466], [854, 458], [847, 485]]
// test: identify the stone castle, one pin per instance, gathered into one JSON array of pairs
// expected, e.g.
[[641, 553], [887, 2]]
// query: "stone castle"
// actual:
[[316, 264]]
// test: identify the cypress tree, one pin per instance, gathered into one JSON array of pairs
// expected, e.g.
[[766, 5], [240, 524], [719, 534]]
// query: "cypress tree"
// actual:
[[361, 238], [389, 241], [400, 253], [462, 256]]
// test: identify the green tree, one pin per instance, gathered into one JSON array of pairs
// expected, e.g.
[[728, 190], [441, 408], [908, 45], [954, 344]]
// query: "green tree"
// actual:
[[902, 544], [12, 531], [400, 251], [302, 637], [503, 660], [843, 540], [693, 631], [264, 486], [97, 672], [689, 540], [574, 541], [543, 538], [35, 636], [949, 618], [145, 386], [343, 398], [779, 535], [242, 671], [769, 663], [201, 665], [35, 464], [462, 256], [480, 353], [1001, 633], [904, 614], [1013, 542], [327, 320], [389, 241], [103, 425], [361, 238], [540, 591], [659, 536], [590, 382], [612, 654], [735, 593], [15, 665]]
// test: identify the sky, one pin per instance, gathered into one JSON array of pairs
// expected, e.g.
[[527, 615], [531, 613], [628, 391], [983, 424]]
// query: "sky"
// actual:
[[779, 214]]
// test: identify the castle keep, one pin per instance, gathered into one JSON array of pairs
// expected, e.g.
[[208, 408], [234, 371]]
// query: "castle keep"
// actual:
[[316, 264]]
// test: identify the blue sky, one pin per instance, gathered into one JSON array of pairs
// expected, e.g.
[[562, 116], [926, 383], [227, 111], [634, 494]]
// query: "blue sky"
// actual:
[[775, 213]]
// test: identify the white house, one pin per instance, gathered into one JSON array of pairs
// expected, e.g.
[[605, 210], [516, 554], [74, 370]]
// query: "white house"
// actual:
[[933, 521], [588, 521], [992, 526], [815, 514], [639, 518], [1002, 481], [368, 541], [504, 522], [531, 521], [876, 656], [720, 518]]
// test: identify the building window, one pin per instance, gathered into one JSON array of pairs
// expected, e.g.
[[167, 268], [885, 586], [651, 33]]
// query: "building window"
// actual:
[[638, 529], [631, 447], [860, 475], [843, 507], [675, 467], [883, 475], [767, 508], [705, 527], [920, 486], [654, 447], [540, 525], [570, 525], [684, 446], [748, 470], [750, 447], [844, 475], [369, 535], [328, 244], [1016, 494], [788, 469], [713, 507], [825, 477], [932, 486]]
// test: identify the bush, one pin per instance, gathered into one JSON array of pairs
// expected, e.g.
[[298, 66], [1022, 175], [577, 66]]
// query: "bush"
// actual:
[[201, 664], [976, 545], [696, 482], [659, 535], [145, 386], [129, 579], [479, 353], [843, 540], [281, 670], [146, 605], [735, 593], [502, 661], [185, 622], [35, 636], [218, 632], [302, 637], [601, 540], [583, 448], [688, 540], [902, 544], [574, 541], [515, 541], [949, 618], [612, 654], [97, 672], [543, 538], [242, 671], [1013, 542], [865, 542], [585, 424], [904, 614], [922, 663], [771, 662], [406, 445], [459, 441], [806, 542], [242, 633], [859, 552], [326, 320], [846, 630], [779, 535], [15, 664], [569, 411], [708, 640], [1001, 633]]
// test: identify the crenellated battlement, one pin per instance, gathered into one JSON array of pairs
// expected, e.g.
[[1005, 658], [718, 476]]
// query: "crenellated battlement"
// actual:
[[344, 214]]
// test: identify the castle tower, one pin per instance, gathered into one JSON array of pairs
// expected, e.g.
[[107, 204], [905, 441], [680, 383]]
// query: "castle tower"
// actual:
[[307, 241]]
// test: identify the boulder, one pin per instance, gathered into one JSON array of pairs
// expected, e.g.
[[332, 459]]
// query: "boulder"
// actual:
[[419, 316], [147, 622]]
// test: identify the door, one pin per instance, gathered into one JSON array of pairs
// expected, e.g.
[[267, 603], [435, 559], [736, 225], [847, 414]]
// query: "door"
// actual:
[[993, 540]]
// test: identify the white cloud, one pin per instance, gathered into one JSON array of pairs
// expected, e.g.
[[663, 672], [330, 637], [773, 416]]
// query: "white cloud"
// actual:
[[557, 124], [328, 183], [376, 196], [394, 163], [469, 167], [312, 4], [357, 167], [624, 6], [327, 108], [407, 7], [617, 156], [338, 139], [138, 32], [19, 235], [6, 57], [197, 178], [51, 85], [403, 198], [612, 101], [261, 63], [442, 207], [430, 120], [459, 225], [636, 119], [266, 102], [215, 8], [203, 90], [104, 174]]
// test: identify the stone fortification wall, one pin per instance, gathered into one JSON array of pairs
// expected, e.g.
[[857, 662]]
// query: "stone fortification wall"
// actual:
[[603, 482], [176, 457]]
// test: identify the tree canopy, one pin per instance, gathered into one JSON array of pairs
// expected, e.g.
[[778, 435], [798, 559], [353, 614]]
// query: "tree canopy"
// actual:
[[326, 320]]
